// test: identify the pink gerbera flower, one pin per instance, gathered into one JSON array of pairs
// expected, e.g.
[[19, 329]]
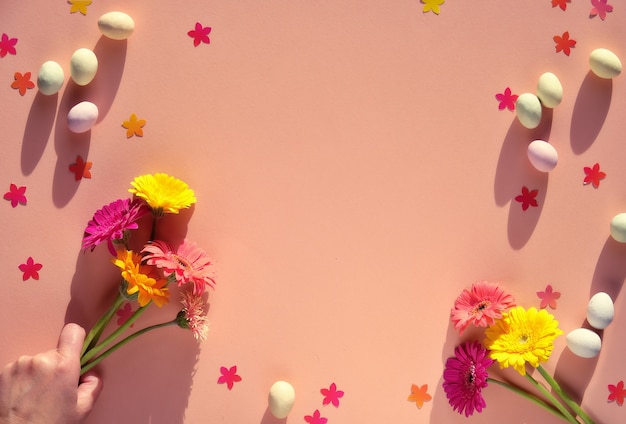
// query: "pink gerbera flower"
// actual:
[[480, 306], [188, 263], [111, 222], [193, 315], [464, 377]]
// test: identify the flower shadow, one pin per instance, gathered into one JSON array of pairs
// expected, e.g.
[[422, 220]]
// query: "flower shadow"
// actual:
[[590, 111], [37, 131]]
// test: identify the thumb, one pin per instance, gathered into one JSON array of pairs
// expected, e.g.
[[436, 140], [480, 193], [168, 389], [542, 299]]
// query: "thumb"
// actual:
[[89, 389]]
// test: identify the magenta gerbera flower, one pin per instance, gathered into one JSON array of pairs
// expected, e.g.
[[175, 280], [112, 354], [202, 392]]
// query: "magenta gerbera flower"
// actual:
[[109, 223], [188, 263], [481, 305], [464, 377]]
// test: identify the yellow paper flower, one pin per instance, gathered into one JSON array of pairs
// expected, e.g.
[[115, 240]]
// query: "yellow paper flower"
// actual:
[[139, 279], [522, 336], [163, 193]]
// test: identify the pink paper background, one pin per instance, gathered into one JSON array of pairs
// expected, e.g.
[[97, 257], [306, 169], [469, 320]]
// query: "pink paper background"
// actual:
[[353, 175]]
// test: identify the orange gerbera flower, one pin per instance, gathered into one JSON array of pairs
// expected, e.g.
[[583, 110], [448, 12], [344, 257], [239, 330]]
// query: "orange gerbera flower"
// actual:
[[140, 279]]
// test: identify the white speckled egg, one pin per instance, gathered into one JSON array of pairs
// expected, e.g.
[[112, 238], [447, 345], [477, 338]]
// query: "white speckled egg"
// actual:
[[528, 110], [549, 90], [584, 342], [600, 311], [116, 25], [83, 66], [542, 155], [281, 399], [618, 227], [50, 78], [82, 117], [604, 63]]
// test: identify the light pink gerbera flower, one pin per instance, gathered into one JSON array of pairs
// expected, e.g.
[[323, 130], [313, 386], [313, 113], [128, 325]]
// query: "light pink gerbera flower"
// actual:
[[188, 263], [193, 315], [481, 305]]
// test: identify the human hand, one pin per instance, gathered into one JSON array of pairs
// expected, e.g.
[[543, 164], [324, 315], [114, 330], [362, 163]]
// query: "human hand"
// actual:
[[47, 388]]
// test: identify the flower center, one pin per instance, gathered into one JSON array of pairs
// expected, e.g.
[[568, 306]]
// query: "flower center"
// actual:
[[470, 375], [523, 338], [183, 262], [481, 306]]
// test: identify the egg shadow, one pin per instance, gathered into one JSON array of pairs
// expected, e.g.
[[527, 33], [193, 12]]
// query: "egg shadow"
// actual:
[[38, 130], [268, 418], [590, 111]]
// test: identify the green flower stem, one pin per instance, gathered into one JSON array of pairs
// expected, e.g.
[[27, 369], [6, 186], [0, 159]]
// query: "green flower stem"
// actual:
[[96, 331], [528, 396], [96, 349], [566, 398], [95, 362], [553, 399]]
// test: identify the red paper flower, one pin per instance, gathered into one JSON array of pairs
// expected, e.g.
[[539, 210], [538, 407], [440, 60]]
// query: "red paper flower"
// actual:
[[124, 313], [16, 195], [81, 169], [7, 45], [506, 99], [331, 395], [617, 393], [316, 418], [229, 376], [564, 43], [200, 34], [527, 198], [30, 269], [548, 297], [593, 175], [600, 8], [561, 3], [22, 82]]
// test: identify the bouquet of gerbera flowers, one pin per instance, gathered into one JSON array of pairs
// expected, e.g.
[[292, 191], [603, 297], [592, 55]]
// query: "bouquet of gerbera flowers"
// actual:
[[514, 337], [145, 276]]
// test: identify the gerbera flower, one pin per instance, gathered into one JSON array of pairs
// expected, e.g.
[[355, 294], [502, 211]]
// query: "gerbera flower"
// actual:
[[188, 264], [140, 279], [193, 315], [112, 222], [522, 336], [163, 193], [481, 305], [464, 377]]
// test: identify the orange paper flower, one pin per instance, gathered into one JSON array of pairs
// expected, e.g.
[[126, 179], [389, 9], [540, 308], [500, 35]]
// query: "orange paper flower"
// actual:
[[134, 126], [22, 82], [419, 395]]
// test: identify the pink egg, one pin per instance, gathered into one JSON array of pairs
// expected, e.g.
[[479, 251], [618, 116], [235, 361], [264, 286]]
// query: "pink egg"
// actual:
[[542, 155]]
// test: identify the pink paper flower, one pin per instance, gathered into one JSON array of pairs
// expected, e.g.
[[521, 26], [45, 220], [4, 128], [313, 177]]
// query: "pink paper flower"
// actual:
[[331, 395], [16, 195], [30, 269], [200, 34], [124, 313], [617, 393], [548, 297], [600, 8], [527, 198], [194, 310], [7, 45], [506, 99], [316, 418], [110, 223], [189, 263], [229, 376], [481, 305]]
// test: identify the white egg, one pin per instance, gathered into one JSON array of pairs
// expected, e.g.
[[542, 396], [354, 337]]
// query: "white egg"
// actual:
[[584, 342], [50, 78], [618, 227], [604, 63], [542, 155], [528, 110], [116, 25], [600, 310], [549, 90], [82, 117], [83, 66], [281, 399]]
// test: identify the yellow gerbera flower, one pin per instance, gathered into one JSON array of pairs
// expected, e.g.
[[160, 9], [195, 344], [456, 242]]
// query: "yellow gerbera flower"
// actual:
[[522, 336], [139, 279], [163, 193]]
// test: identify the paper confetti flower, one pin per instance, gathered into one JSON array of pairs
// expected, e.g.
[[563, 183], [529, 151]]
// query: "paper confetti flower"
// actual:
[[527, 198], [432, 6], [481, 305], [79, 6], [134, 126], [506, 99], [163, 193], [30, 269], [229, 376], [141, 279], [316, 418], [465, 376], [593, 175], [193, 315], [16, 195], [548, 297], [419, 395], [200, 34], [7, 45], [331, 395], [124, 313], [561, 3], [600, 8], [22, 82], [617, 393], [564, 43], [81, 169]]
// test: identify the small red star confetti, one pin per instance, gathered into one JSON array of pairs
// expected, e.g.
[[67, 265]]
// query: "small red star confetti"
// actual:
[[200, 34], [229, 376], [22, 82], [593, 175], [16, 195], [506, 99], [564, 43], [548, 297], [561, 3], [419, 395], [134, 126], [527, 198], [30, 269], [7, 45], [316, 418], [600, 8], [81, 169], [331, 395], [617, 393]]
